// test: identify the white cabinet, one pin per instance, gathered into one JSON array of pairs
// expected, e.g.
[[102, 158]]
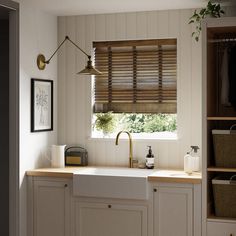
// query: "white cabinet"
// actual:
[[49, 207], [221, 229], [170, 210], [173, 211], [110, 219]]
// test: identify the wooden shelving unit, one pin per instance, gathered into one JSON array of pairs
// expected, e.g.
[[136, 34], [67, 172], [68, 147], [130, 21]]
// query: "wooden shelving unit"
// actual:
[[220, 169], [218, 116], [221, 118]]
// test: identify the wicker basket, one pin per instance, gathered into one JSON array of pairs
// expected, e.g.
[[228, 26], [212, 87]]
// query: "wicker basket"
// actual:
[[224, 191], [224, 142]]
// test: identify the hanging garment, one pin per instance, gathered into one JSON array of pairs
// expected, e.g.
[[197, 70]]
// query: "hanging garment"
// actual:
[[232, 76], [224, 74]]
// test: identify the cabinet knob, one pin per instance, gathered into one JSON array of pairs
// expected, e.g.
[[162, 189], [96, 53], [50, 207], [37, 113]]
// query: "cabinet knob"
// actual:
[[154, 190], [231, 235], [66, 185], [109, 206]]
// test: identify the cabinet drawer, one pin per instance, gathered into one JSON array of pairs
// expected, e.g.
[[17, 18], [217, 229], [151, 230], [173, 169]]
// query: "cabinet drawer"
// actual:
[[221, 229]]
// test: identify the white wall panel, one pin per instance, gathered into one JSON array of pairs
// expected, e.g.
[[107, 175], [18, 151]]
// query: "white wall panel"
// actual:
[[38, 34], [80, 82], [152, 26], [163, 24], [185, 79], [110, 27], [61, 98], [120, 26], [141, 18], [141, 25], [131, 28], [70, 81]]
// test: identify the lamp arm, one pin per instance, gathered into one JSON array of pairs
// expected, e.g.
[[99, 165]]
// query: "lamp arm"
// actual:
[[47, 61], [67, 38], [78, 47]]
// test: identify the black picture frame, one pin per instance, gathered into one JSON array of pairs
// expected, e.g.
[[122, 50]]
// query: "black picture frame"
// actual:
[[41, 105]]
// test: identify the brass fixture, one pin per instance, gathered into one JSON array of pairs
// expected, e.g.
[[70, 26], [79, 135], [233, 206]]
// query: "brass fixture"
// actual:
[[89, 69], [130, 146]]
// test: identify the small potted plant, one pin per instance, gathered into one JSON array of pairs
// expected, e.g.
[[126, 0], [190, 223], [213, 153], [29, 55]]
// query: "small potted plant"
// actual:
[[212, 10], [105, 122]]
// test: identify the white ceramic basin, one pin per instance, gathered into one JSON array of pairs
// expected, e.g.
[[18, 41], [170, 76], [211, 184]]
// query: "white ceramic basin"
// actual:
[[122, 183]]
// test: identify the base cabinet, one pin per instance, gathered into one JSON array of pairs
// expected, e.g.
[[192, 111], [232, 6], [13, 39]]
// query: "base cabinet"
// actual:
[[50, 208], [173, 211], [106, 219]]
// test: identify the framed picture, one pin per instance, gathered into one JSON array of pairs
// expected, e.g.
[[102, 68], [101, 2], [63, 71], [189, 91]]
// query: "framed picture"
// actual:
[[41, 105]]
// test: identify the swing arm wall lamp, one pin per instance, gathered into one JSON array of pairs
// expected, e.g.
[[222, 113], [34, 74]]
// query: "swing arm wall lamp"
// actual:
[[89, 69]]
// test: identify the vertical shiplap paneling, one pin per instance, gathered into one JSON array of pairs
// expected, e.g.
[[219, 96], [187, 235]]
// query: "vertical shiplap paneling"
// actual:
[[163, 24], [61, 96], [121, 26], [156, 24], [174, 30], [175, 160], [174, 157], [110, 152], [162, 153], [110, 27], [100, 152], [141, 32], [89, 38], [196, 99], [70, 80], [152, 26], [100, 27], [80, 94], [184, 115], [131, 27]]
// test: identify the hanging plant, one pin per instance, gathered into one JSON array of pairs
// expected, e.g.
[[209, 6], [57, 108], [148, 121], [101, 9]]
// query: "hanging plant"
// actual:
[[212, 10], [105, 122]]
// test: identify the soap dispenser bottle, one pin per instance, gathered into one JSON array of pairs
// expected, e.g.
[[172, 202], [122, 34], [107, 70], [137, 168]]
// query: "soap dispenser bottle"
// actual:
[[188, 163], [149, 159], [196, 158]]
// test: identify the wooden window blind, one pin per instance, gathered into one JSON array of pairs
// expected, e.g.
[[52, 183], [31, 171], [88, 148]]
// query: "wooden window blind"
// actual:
[[139, 76]]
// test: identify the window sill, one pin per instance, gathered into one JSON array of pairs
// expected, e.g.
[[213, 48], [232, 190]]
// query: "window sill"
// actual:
[[138, 137]]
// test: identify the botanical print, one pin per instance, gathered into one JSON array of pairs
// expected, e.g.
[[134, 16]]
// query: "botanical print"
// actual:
[[42, 107], [42, 113]]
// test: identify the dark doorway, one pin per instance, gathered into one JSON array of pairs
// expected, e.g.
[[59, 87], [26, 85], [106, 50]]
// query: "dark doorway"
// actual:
[[4, 120], [9, 118]]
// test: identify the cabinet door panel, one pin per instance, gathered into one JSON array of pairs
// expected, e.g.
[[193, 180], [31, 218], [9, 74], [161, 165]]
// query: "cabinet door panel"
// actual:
[[51, 207], [96, 219], [221, 229], [173, 212]]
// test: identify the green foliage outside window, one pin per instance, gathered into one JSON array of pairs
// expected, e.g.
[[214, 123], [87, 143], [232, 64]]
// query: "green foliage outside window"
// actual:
[[136, 123], [149, 123]]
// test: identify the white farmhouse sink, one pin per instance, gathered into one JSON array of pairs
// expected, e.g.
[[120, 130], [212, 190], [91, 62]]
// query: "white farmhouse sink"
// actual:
[[122, 183]]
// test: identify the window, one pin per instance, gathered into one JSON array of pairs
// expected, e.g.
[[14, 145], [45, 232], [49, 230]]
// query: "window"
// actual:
[[139, 76]]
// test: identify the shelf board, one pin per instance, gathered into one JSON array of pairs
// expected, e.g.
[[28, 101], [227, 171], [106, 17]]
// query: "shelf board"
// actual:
[[221, 118], [214, 218], [220, 169]]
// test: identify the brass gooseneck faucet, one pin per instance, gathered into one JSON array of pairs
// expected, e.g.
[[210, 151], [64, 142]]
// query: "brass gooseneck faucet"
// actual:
[[130, 146]]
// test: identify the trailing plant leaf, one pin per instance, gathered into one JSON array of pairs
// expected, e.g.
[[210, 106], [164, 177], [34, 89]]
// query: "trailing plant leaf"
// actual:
[[105, 122], [212, 10]]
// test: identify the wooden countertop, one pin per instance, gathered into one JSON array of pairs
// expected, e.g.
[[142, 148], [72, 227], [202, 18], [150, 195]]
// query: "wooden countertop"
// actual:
[[175, 176], [160, 175]]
